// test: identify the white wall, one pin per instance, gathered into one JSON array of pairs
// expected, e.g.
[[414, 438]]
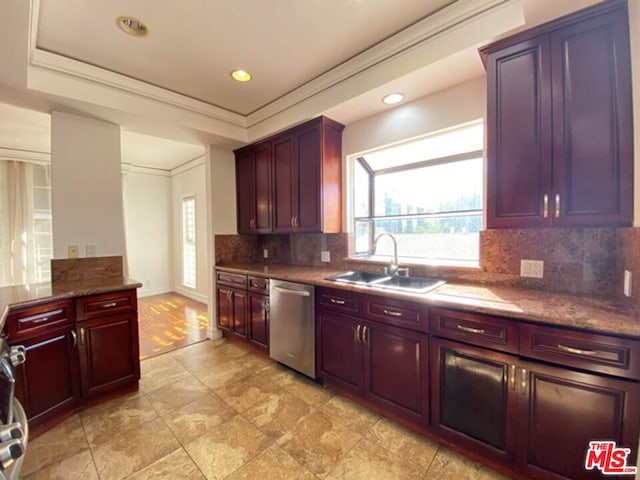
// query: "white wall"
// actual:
[[191, 180], [148, 212], [447, 108], [86, 185]]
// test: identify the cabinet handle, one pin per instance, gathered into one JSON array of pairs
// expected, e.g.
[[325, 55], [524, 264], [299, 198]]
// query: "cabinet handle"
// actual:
[[82, 336], [545, 209], [357, 333], [392, 313], [74, 336], [576, 351], [267, 307], [557, 205], [523, 381], [40, 320], [252, 224], [336, 302], [296, 222], [292, 223], [109, 305], [479, 331], [365, 335], [512, 379]]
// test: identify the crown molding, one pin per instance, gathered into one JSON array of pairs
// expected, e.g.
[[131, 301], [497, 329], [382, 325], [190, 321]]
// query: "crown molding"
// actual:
[[14, 154], [414, 47]]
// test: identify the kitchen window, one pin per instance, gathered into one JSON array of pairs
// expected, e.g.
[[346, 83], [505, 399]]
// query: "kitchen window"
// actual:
[[426, 192], [189, 242]]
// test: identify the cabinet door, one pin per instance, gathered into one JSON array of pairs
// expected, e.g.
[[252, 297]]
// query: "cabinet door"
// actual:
[[259, 320], [561, 411], [396, 370], [245, 192], [593, 139], [240, 324], [109, 353], [47, 383], [472, 398], [284, 208], [308, 180], [253, 189], [518, 135], [339, 352], [224, 306]]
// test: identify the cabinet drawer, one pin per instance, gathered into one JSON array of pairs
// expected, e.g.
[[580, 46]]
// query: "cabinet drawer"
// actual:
[[232, 279], [397, 312], [476, 329], [29, 321], [93, 306], [338, 300], [589, 351], [258, 285]]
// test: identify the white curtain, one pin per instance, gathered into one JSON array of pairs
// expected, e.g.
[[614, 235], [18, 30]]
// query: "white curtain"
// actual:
[[22, 258]]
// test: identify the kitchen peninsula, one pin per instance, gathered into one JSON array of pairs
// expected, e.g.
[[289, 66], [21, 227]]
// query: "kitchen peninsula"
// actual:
[[80, 332]]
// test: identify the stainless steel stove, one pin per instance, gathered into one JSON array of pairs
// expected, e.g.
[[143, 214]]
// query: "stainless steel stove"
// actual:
[[14, 429]]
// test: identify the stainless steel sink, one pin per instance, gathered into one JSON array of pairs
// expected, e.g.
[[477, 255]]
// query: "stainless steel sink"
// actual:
[[382, 281], [411, 284], [359, 277]]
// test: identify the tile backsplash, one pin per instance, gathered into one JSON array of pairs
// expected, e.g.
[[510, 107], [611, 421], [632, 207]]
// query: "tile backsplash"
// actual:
[[576, 260]]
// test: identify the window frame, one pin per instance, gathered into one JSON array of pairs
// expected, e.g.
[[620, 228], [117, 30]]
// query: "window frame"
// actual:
[[371, 218], [189, 242]]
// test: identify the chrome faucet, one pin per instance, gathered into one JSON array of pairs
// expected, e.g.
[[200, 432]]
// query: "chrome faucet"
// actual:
[[393, 264]]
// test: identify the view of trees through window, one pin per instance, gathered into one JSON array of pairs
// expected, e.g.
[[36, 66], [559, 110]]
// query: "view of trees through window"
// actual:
[[427, 193]]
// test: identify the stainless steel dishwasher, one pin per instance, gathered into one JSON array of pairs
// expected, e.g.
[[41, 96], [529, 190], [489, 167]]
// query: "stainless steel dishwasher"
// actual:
[[292, 326]]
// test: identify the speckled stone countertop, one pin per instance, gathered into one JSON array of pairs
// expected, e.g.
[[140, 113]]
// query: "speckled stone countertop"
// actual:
[[38, 293], [613, 316]]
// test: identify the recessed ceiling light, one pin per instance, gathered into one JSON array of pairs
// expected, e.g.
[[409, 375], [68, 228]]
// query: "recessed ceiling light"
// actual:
[[132, 26], [241, 75], [392, 98]]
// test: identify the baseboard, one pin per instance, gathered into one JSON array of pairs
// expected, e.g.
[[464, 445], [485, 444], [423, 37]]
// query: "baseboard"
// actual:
[[149, 292], [198, 297]]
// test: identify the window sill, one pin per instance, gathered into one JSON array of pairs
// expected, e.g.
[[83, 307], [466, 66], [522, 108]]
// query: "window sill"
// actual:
[[419, 266]]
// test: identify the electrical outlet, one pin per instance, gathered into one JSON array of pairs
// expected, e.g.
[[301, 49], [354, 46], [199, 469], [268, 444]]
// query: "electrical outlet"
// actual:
[[325, 256], [532, 268], [265, 253], [72, 251], [90, 249], [627, 283]]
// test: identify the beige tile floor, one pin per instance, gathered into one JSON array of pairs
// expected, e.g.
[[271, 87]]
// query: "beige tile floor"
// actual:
[[215, 410]]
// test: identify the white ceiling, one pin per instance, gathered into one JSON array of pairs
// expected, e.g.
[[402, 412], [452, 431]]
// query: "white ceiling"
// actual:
[[192, 46], [308, 57]]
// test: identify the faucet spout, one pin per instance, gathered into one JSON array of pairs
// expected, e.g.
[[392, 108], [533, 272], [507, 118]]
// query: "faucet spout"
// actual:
[[393, 264]]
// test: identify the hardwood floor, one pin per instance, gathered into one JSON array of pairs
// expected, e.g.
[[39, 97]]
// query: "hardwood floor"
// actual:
[[169, 321]]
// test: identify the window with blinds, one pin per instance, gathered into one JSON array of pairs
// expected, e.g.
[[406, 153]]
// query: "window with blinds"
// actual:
[[189, 242]]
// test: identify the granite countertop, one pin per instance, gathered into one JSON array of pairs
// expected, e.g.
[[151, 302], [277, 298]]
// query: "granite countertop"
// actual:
[[612, 316], [37, 293]]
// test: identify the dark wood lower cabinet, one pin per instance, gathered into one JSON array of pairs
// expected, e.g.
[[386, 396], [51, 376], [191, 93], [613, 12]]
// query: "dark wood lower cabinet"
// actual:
[[562, 410], [258, 333], [536, 417], [48, 383], [385, 365], [396, 367], [339, 355], [109, 353], [232, 310]]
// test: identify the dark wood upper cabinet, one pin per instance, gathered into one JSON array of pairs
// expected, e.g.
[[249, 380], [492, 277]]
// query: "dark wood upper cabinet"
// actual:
[[253, 189], [559, 123], [292, 182]]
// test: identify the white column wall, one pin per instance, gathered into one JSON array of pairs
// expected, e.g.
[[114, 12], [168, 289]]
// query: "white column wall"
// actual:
[[86, 185]]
